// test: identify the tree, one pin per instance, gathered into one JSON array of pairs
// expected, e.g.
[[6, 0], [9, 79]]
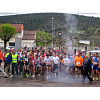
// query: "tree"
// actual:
[[6, 33], [43, 38]]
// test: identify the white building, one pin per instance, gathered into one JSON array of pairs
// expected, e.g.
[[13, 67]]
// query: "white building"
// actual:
[[27, 37]]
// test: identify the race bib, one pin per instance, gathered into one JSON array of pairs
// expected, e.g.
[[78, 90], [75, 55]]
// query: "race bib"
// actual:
[[78, 63], [56, 62], [26, 59], [42, 60], [33, 61], [18, 59]]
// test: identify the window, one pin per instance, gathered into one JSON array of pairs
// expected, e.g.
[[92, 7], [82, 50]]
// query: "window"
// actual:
[[11, 44]]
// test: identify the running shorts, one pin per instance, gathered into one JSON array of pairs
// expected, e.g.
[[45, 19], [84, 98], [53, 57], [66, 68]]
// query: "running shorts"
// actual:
[[95, 67]]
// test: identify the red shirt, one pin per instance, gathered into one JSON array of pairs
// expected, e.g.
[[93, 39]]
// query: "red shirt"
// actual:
[[4, 56]]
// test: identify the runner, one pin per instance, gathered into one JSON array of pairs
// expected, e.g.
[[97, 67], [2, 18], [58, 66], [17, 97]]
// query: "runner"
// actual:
[[26, 62], [22, 63], [37, 64], [78, 64], [32, 66], [48, 62], [95, 66], [70, 64], [65, 62], [99, 68], [19, 62], [1, 57], [56, 61], [42, 63]]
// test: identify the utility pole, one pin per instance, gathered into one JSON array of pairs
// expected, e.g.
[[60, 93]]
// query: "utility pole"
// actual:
[[52, 30]]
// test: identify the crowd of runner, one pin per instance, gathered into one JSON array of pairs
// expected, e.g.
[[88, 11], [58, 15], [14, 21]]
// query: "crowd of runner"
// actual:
[[39, 62]]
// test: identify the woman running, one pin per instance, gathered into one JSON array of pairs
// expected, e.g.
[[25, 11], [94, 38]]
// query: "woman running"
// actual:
[[26, 62]]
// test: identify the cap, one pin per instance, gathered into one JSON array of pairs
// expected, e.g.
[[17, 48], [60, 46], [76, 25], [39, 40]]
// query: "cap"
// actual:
[[47, 54], [83, 50], [77, 53]]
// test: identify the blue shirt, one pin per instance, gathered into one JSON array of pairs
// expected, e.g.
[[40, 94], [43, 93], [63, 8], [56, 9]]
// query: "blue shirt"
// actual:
[[95, 60], [8, 59], [70, 59]]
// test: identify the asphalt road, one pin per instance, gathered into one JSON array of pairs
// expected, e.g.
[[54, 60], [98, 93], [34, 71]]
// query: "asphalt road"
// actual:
[[62, 81]]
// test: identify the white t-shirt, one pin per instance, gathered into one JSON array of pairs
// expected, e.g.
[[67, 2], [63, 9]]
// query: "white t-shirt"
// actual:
[[56, 60], [65, 61], [48, 60], [37, 62]]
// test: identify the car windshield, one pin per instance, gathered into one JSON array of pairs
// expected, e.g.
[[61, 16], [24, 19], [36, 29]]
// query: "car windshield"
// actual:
[[98, 53]]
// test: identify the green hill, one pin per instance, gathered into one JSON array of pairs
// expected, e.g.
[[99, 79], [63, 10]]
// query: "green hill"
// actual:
[[87, 27], [43, 21]]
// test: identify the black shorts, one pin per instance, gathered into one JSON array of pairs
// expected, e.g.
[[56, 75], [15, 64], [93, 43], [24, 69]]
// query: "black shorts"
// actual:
[[62, 64], [0, 60], [44, 64], [26, 63], [99, 69], [18, 63], [48, 65], [80, 67], [55, 66], [31, 66], [65, 66]]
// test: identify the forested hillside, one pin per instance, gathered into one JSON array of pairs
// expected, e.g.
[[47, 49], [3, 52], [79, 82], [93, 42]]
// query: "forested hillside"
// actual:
[[43, 21]]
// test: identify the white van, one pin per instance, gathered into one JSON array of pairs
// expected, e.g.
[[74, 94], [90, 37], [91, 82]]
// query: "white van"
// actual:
[[93, 51]]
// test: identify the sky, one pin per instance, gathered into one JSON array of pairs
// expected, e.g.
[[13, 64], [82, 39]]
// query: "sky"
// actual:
[[81, 7]]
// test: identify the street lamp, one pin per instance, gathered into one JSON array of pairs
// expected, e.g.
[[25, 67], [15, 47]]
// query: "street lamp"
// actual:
[[59, 38], [52, 30]]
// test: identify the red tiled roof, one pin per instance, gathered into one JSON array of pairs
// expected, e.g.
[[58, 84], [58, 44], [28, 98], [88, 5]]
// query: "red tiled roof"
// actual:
[[29, 35], [29, 32], [19, 27]]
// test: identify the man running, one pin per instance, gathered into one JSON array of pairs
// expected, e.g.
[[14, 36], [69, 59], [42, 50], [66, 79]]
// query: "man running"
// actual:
[[78, 63], [95, 66], [1, 57], [26, 62], [55, 63], [48, 62], [42, 63]]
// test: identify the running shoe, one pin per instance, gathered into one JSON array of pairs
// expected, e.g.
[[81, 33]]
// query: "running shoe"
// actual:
[[55, 75], [38, 75], [33, 76], [93, 78], [47, 77], [80, 76], [97, 78], [27, 75], [76, 76], [11, 76]]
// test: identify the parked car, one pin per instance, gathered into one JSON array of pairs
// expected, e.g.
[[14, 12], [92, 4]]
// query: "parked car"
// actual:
[[93, 51], [9, 47]]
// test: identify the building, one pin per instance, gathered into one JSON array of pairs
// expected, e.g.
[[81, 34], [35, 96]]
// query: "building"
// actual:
[[21, 38], [29, 38]]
